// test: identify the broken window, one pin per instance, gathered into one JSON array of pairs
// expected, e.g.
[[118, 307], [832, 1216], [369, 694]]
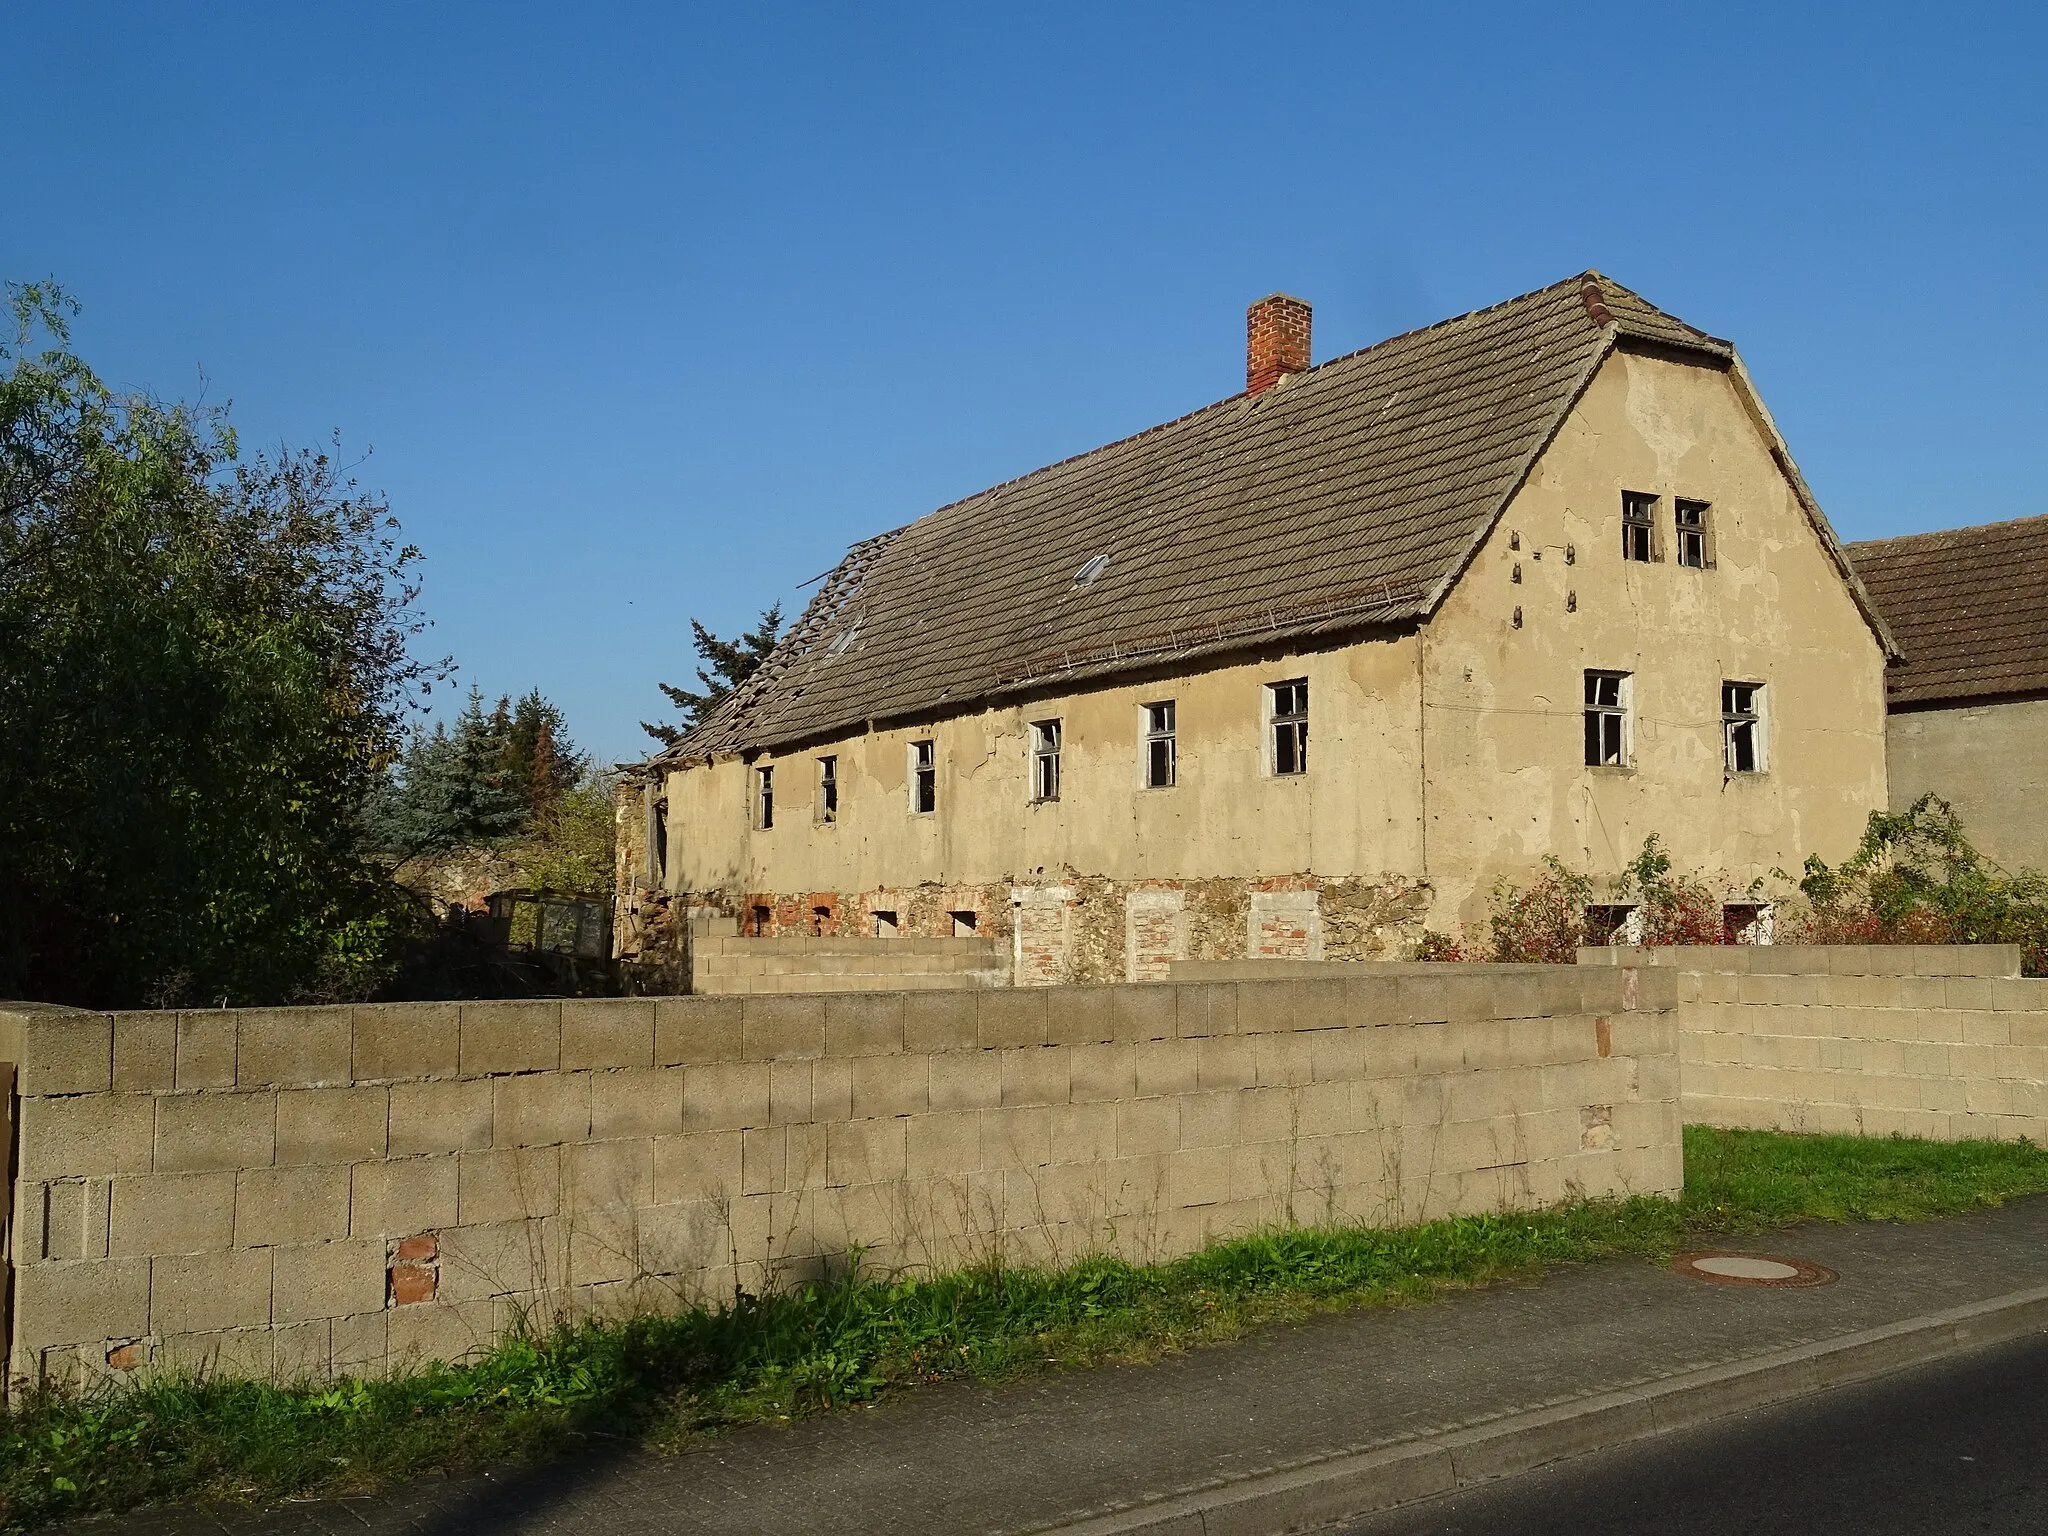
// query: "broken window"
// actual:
[[885, 925], [821, 918], [1692, 534], [828, 789], [1607, 719], [963, 924], [1748, 922], [924, 777], [1161, 762], [1614, 925], [764, 921], [1045, 760], [764, 798], [1742, 727], [1638, 526], [1289, 702]]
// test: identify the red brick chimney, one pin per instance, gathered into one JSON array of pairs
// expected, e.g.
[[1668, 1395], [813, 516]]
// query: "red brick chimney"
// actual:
[[1275, 341]]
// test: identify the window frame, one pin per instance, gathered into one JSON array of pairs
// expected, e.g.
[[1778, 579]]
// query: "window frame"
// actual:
[[1621, 710], [764, 797], [828, 789], [1159, 745], [1639, 518], [1046, 739], [924, 776], [1287, 728], [1753, 721], [1696, 537]]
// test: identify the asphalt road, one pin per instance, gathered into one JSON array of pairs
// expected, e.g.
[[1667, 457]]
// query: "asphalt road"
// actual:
[[1956, 1447]]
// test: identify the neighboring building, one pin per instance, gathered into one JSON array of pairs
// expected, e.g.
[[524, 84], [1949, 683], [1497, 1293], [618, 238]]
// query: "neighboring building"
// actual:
[[1309, 667], [1969, 703]]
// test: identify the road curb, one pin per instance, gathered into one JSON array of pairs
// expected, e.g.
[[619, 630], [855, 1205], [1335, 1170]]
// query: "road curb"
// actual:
[[1348, 1485]]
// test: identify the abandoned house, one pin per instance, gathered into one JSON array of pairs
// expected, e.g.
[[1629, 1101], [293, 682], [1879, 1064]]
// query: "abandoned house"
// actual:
[[1969, 700], [1306, 669]]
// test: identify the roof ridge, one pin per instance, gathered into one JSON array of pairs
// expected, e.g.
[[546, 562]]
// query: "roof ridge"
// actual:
[[1945, 533]]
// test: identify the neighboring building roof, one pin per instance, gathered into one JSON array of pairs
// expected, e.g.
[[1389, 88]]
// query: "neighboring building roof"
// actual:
[[1969, 607], [1348, 496]]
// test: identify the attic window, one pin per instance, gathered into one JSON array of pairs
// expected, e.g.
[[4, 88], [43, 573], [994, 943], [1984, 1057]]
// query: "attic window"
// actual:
[[843, 641], [1094, 567], [1638, 526]]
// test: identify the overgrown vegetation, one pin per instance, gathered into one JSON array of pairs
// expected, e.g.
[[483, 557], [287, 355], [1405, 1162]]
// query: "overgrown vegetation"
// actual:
[[1914, 879], [1917, 879], [206, 670], [666, 1379]]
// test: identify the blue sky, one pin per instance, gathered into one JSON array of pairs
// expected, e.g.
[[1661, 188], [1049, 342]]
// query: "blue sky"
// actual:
[[649, 310]]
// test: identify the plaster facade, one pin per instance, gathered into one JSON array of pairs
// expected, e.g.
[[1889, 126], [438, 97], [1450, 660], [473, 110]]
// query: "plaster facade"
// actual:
[[1990, 761], [1443, 755]]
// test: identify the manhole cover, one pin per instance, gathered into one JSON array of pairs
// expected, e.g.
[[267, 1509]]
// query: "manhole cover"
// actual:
[[1751, 1269]]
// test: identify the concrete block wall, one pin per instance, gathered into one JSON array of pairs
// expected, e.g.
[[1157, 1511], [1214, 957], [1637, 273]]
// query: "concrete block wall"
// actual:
[[1946, 1042], [303, 1191], [728, 965]]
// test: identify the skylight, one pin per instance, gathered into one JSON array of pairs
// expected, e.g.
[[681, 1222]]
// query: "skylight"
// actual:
[[1096, 565]]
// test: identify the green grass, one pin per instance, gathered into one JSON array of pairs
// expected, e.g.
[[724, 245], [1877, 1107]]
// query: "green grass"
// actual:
[[664, 1380]]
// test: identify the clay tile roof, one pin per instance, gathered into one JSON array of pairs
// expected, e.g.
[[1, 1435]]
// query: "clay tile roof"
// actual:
[[1969, 607], [1347, 496]]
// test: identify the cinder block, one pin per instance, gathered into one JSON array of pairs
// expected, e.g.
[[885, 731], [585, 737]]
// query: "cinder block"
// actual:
[[395, 1041], [511, 1037], [783, 1028], [326, 1280], [91, 1134], [513, 1184], [864, 1152], [1035, 1075], [64, 1219], [1016, 1138], [1102, 1072], [235, 1353], [540, 1108], [1208, 1119], [507, 1258], [864, 1024], [1283, 1061], [206, 1050], [1080, 1133], [639, 1101], [761, 1160], [888, 1085], [80, 1302], [968, 1079], [1204, 1010], [725, 1096], [831, 1089], [302, 1353], [438, 1330], [402, 1196], [1145, 1011], [145, 1052], [207, 1292], [789, 1091], [1228, 1062], [167, 1213], [608, 1175], [67, 1052], [690, 1031], [440, 1116], [195, 1132], [356, 1344], [943, 1143], [293, 1047], [289, 1205], [332, 1125], [939, 1021], [1168, 1066], [1010, 1017], [607, 1032], [706, 1165], [1080, 1015], [1198, 1177]]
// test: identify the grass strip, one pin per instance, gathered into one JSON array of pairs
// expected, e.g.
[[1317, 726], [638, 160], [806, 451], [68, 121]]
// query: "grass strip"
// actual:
[[665, 1379]]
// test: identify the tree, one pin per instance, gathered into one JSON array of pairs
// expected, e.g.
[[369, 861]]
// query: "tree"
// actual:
[[450, 790], [206, 670], [730, 663]]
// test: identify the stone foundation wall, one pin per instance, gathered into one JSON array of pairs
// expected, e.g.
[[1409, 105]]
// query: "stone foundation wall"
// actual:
[[297, 1192]]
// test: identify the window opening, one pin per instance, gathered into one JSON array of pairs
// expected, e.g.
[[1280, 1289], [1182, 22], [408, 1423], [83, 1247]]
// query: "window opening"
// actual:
[[764, 919], [1742, 727], [963, 924], [1045, 760], [1748, 922], [828, 789], [1614, 925], [1161, 760], [1290, 725], [820, 916], [657, 842], [1094, 566], [885, 925], [1607, 708], [764, 798], [924, 777], [1638, 526], [1692, 534]]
